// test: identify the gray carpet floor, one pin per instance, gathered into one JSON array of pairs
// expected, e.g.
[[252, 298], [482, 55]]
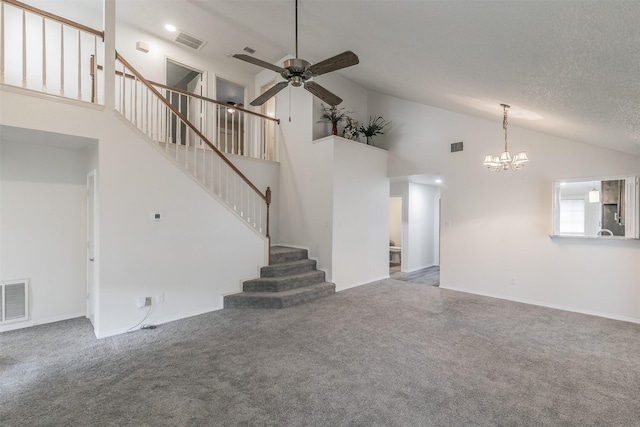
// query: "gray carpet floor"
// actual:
[[390, 353], [429, 276]]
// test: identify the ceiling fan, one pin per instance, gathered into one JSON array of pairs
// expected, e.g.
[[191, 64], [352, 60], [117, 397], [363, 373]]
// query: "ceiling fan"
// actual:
[[297, 71]]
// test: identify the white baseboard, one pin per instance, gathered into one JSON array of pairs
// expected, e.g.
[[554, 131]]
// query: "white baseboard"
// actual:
[[547, 305], [31, 323], [355, 285], [158, 322], [416, 269]]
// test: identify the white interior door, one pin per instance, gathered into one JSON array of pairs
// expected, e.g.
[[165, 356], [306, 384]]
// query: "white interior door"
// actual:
[[91, 256]]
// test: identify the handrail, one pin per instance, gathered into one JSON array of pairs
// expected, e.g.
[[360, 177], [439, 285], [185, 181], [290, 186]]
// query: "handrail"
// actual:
[[190, 125], [266, 197], [55, 17], [204, 98]]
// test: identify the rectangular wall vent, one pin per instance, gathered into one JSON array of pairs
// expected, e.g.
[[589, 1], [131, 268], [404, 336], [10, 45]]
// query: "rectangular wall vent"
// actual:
[[14, 301], [190, 41], [456, 146]]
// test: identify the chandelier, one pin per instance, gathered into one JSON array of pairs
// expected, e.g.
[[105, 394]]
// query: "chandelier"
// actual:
[[505, 161]]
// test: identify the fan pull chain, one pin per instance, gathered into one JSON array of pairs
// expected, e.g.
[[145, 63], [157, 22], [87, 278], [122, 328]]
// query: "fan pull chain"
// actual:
[[289, 104]]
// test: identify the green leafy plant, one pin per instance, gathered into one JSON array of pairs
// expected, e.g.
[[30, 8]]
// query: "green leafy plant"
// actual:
[[374, 127], [334, 115]]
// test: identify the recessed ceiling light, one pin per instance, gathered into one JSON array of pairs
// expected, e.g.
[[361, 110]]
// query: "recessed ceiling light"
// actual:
[[170, 27], [438, 181]]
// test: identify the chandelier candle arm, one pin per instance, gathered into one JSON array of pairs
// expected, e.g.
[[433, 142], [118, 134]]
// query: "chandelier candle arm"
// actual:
[[505, 161]]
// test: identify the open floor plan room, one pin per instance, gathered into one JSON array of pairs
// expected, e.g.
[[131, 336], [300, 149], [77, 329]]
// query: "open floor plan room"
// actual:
[[389, 353]]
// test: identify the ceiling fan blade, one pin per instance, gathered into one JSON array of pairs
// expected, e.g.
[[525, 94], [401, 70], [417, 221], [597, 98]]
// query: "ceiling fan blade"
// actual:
[[268, 94], [343, 60], [323, 93], [258, 62]]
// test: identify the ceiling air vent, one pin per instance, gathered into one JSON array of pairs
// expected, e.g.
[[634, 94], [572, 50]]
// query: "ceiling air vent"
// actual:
[[189, 40]]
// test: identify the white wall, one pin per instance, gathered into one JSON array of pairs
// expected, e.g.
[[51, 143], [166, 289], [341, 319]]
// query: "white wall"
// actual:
[[395, 220], [198, 253], [354, 103], [422, 227], [43, 223], [496, 226], [360, 213]]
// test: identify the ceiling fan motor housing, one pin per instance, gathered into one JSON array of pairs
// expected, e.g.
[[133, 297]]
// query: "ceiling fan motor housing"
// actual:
[[295, 70]]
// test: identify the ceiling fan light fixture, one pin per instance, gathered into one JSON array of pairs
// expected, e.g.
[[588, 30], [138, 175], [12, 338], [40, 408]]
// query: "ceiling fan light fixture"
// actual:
[[299, 72]]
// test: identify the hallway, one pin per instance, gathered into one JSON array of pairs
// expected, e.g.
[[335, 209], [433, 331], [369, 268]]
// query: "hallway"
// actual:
[[429, 276]]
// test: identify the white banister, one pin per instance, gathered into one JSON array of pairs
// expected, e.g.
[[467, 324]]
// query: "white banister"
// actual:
[[25, 38]]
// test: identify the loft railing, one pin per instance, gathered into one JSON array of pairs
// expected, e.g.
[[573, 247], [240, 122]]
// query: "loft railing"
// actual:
[[232, 129], [164, 123], [48, 53]]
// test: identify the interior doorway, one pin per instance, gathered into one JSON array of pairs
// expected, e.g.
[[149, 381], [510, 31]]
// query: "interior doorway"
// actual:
[[395, 234], [192, 81], [91, 255], [230, 122], [268, 135]]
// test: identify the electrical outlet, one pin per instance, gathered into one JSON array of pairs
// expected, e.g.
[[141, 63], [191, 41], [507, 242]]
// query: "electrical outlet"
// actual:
[[160, 298], [142, 302], [512, 281]]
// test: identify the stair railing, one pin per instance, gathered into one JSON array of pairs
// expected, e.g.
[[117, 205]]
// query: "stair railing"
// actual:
[[51, 52], [166, 124]]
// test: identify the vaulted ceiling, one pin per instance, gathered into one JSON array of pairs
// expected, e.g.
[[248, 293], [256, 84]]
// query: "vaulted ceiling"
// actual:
[[567, 68]]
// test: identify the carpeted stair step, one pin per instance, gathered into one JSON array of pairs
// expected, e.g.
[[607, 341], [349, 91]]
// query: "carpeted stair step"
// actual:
[[288, 268], [284, 283], [279, 299], [280, 254]]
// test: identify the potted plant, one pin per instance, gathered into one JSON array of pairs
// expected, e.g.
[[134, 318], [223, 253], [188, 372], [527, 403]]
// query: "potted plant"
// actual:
[[333, 115], [351, 129], [374, 127]]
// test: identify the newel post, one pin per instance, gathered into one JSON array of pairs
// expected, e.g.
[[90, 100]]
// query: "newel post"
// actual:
[[268, 200]]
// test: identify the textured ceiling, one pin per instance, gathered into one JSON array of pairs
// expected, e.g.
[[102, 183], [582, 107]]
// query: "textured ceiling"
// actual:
[[567, 68]]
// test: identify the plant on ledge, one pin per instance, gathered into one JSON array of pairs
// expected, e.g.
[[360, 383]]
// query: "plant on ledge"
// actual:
[[374, 128], [333, 115], [351, 129]]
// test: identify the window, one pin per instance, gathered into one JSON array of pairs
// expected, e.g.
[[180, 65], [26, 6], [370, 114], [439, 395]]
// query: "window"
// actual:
[[572, 216]]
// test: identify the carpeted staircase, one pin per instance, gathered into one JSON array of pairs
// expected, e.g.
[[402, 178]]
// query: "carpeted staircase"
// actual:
[[291, 279]]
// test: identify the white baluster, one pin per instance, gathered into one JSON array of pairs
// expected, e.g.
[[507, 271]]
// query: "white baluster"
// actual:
[[79, 65], [44, 57], [219, 177], [2, 43], [61, 60], [24, 49], [204, 165], [195, 151], [95, 69], [211, 181], [134, 101], [122, 97]]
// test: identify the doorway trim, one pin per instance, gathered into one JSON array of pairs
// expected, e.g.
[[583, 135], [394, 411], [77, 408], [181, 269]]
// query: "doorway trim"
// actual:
[[91, 249]]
